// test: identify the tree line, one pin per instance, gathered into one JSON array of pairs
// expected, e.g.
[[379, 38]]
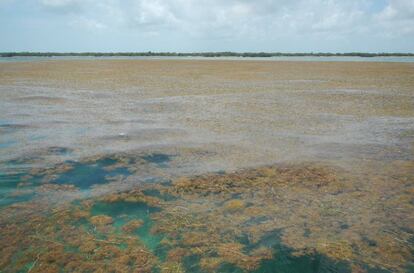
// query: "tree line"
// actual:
[[200, 54]]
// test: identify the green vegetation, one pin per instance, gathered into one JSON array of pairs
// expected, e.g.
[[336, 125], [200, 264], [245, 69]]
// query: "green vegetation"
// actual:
[[201, 54]]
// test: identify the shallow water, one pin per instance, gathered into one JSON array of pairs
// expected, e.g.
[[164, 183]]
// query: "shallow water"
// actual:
[[84, 176], [284, 218], [197, 166]]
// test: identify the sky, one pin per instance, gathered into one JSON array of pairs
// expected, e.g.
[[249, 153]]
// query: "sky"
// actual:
[[207, 25]]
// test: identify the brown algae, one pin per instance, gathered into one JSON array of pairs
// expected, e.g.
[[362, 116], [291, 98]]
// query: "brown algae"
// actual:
[[219, 222], [108, 166]]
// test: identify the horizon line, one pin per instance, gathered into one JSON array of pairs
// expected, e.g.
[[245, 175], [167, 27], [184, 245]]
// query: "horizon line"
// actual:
[[203, 54]]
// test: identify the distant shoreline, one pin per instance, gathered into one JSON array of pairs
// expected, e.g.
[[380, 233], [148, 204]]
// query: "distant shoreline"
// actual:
[[199, 54]]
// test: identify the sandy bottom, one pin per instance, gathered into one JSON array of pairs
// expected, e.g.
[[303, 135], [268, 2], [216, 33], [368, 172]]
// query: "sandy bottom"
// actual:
[[206, 166]]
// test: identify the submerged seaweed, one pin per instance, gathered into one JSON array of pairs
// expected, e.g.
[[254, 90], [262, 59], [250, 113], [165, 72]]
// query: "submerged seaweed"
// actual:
[[21, 181], [84, 176], [296, 218]]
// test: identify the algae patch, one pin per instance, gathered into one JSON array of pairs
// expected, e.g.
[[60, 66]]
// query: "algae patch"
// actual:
[[304, 218]]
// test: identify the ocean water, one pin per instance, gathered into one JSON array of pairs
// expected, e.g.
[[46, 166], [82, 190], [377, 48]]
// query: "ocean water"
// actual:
[[290, 176]]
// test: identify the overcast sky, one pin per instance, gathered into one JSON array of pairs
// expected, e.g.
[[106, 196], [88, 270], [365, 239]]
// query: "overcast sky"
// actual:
[[207, 25]]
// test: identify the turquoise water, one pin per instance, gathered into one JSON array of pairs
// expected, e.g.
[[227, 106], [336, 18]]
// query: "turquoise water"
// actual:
[[284, 262], [123, 212], [12, 190], [18, 185], [84, 176]]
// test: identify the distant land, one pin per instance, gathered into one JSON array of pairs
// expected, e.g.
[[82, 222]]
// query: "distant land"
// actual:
[[202, 54]]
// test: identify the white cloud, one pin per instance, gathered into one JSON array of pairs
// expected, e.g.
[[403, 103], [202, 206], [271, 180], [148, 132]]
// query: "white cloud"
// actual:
[[397, 18], [398, 10], [244, 20], [86, 23], [238, 17]]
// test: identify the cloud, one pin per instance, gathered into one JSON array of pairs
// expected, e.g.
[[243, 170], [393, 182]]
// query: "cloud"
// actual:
[[62, 6], [398, 10], [237, 18], [397, 18], [90, 24], [254, 22]]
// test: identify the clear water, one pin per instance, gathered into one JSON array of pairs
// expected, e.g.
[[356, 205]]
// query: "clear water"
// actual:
[[123, 212], [84, 176]]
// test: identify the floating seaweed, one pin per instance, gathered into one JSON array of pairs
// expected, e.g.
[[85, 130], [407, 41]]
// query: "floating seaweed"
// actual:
[[297, 218]]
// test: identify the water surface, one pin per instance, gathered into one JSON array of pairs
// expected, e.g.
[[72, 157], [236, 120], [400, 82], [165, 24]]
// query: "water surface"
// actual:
[[173, 165]]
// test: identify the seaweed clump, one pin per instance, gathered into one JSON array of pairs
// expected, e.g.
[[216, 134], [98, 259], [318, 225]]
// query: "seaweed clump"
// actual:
[[65, 242], [235, 220], [225, 218]]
